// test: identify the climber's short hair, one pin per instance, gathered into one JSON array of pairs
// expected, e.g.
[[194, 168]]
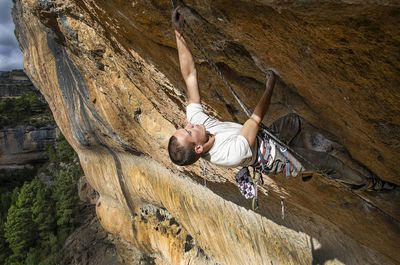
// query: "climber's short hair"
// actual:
[[181, 155]]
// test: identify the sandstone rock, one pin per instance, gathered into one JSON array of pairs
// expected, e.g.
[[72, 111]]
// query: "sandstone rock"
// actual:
[[89, 244], [109, 70], [25, 145], [14, 84], [86, 193]]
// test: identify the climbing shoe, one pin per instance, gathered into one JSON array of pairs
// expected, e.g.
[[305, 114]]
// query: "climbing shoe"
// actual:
[[377, 184]]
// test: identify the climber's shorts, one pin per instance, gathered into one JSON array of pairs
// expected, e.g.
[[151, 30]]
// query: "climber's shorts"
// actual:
[[286, 129], [279, 164]]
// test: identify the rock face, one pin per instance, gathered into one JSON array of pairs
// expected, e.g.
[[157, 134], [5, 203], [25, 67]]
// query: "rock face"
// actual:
[[90, 244], [14, 84], [109, 71], [25, 146]]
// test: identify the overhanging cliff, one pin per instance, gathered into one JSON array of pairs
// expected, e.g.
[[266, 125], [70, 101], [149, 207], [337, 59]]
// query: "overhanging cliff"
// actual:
[[109, 70]]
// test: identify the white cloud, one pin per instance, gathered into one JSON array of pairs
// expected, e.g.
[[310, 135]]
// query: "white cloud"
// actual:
[[10, 55], [13, 60]]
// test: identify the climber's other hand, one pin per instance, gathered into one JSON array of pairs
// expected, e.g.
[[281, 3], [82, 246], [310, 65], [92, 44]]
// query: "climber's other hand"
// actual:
[[270, 78], [177, 20]]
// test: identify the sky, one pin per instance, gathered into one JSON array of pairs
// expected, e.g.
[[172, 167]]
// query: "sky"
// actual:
[[10, 54]]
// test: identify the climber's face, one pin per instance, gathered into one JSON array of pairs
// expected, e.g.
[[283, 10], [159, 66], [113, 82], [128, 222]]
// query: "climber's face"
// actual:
[[193, 133]]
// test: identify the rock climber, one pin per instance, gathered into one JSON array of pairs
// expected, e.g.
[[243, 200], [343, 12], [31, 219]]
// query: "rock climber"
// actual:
[[231, 144]]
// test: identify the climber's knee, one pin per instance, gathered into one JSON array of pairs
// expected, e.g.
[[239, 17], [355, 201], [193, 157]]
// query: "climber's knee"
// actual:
[[286, 127]]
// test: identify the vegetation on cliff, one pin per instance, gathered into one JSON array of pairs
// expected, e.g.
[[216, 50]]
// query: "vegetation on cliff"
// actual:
[[35, 219], [26, 109]]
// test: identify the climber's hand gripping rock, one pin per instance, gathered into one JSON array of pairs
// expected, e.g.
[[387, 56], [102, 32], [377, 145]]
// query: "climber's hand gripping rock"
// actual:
[[177, 20]]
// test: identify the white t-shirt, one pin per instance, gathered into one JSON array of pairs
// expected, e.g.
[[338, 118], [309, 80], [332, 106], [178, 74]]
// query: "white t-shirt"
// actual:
[[230, 149]]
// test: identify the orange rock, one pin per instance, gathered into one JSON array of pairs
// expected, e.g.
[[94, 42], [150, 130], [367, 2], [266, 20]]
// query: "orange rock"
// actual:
[[109, 70]]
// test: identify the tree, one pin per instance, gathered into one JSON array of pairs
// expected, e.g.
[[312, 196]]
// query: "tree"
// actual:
[[43, 213], [19, 232], [14, 260], [14, 196], [5, 251], [21, 106], [36, 105], [21, 110], [5, 202], [33, 257], [67, 203], [36, 221], [27, 194], [65, 153]]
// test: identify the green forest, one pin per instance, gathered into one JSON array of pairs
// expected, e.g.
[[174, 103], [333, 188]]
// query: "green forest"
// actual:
[[26, 109], [35, 218]]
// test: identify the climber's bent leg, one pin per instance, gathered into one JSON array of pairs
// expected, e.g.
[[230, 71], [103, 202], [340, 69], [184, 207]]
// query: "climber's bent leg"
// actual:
[[286, 128], [333, 167]]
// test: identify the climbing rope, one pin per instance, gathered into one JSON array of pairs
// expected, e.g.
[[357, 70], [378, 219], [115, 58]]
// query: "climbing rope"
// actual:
[[204, 172], [283, 207], [173, 5]]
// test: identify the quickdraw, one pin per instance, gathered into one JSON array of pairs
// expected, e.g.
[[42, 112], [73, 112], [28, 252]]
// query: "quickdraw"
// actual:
[[287, 161]]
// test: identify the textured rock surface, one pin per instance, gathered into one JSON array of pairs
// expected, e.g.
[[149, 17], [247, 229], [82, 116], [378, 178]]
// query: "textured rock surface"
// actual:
[[110, 73], [90, 244], [22, 146], [14, 83]]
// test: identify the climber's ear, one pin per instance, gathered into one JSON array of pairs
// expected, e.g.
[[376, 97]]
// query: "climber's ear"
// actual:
[[198, 149]]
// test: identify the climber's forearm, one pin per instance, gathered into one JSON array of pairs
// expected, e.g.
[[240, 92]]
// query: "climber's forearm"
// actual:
[[188, 69], [250, 127], [263, 105], [186, 60]]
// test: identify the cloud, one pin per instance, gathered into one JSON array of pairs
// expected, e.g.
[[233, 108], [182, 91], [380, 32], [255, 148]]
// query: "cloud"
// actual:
[[13, 60], [5, 6], [10, 54]]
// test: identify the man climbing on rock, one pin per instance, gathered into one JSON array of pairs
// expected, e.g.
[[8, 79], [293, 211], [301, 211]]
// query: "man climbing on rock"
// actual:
[[230, 144]]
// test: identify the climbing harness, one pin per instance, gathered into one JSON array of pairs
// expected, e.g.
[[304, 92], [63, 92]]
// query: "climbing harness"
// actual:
[[265, 151]]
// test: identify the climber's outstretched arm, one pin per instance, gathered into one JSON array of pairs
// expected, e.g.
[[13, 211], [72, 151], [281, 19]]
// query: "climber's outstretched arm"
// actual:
[[186, 60], [250, 127]]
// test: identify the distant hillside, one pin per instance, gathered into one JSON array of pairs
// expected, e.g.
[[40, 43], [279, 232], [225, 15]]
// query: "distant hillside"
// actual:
[[26, 122], [14, 83]]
